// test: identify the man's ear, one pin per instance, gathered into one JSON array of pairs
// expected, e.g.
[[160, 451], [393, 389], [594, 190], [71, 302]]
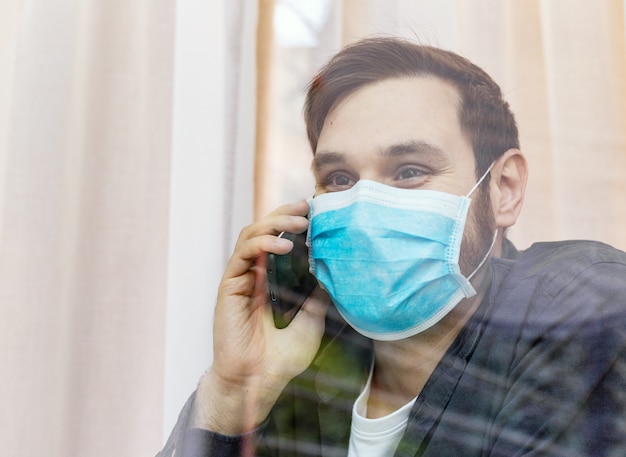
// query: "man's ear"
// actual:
[[508, 185]]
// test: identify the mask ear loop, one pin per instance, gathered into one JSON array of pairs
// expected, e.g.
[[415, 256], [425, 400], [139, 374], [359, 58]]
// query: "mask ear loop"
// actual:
[[495, 234], [482, 262], [481, 179]]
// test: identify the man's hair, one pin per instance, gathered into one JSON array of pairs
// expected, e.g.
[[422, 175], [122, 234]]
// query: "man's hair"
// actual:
[[484, 115]]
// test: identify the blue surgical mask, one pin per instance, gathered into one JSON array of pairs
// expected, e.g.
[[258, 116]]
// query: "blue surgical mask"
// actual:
[[388, 257]]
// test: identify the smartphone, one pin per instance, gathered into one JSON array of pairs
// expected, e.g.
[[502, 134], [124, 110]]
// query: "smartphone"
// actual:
[[289, 280]]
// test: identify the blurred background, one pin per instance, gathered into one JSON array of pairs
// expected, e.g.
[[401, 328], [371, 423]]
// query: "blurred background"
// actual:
[[137, 137]]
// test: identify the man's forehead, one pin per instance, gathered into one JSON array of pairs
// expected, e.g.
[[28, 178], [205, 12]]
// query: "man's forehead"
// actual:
[[434, 82], [399, 114]]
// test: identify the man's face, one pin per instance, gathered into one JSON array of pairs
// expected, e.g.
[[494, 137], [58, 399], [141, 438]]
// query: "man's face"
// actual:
[[405, 133]]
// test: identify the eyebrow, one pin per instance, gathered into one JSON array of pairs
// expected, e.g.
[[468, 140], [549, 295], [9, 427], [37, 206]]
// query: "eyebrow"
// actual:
[[411, 147], [323, 158]]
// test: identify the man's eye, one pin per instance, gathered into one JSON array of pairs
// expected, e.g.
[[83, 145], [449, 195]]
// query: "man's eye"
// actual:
[[410, 173], [338, 181]]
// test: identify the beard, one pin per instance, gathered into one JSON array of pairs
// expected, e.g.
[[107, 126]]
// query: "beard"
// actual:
[[479, 231]]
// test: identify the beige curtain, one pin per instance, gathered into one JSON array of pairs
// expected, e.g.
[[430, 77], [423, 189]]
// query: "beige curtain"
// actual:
[[562, 66], [85, 114], [265, 69]]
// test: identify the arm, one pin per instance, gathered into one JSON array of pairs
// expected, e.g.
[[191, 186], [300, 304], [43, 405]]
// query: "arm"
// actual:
[[253, 360], [186, 441]]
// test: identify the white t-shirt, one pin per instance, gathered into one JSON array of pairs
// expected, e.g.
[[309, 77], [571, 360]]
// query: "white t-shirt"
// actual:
[[376, 437]]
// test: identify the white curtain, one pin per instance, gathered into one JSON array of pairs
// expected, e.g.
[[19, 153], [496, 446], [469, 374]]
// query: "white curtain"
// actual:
[[125, 171]]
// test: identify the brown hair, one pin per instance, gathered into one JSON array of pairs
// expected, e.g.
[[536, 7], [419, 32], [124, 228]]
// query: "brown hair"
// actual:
[[484, 115]]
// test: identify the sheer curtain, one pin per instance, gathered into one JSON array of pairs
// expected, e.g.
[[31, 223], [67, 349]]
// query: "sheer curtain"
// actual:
[[561, 64], [126, 170], [85, 156]]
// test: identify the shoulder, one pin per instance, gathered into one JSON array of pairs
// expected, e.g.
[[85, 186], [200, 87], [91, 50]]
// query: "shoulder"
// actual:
[[555, 264], [574, 253], [558, 322], [564, 279]]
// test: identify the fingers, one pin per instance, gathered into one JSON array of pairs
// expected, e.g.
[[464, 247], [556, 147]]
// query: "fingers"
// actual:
[[258, 239], [287, 218]]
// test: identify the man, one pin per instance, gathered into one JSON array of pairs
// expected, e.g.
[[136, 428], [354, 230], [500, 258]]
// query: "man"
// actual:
[[457, 344]]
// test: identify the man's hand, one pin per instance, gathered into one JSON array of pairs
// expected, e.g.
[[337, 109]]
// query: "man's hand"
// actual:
[[253, 360]]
